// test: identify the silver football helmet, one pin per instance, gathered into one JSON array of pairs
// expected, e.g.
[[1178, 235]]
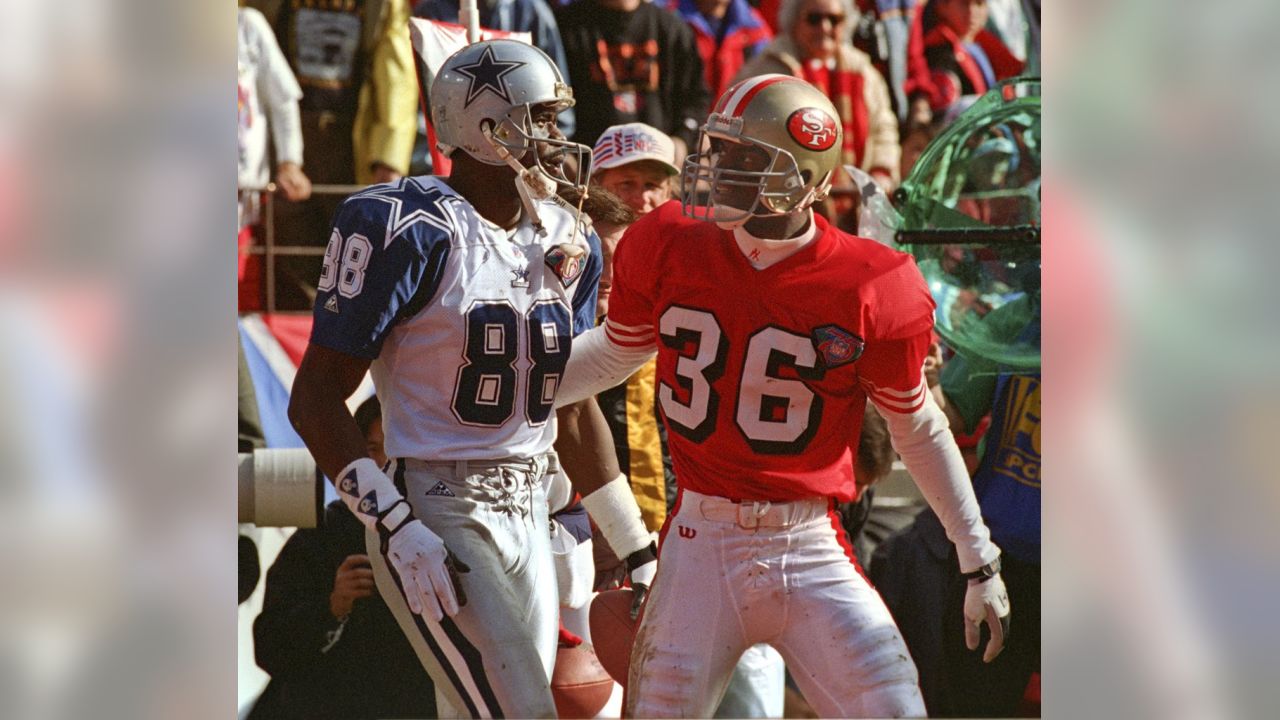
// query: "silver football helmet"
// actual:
[[483, 102], [769, 147]]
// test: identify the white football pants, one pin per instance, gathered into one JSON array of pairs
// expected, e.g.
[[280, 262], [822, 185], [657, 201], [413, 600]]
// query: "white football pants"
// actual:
[[494, 658], [732, 575], [758, 686]]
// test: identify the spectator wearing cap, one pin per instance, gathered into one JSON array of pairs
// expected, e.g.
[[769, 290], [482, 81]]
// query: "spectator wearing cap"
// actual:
[[636, 162], [728, 32]]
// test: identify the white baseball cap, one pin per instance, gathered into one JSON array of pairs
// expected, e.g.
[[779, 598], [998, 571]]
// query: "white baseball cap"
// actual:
[[625, 144]]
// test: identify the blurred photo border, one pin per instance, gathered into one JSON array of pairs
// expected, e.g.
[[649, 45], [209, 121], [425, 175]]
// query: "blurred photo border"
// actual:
[[118, 308]]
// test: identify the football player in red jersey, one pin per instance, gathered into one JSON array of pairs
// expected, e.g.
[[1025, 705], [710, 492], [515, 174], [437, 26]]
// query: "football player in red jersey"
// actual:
[[772, 330]]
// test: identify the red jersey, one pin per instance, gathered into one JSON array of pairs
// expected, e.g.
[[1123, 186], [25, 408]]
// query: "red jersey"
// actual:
[[763, 375]]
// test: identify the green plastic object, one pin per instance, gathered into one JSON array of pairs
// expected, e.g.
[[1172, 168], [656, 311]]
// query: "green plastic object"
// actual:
[[970, 214]]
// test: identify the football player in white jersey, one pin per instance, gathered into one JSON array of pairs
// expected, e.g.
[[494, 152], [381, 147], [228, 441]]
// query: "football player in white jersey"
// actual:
[[461, 296]]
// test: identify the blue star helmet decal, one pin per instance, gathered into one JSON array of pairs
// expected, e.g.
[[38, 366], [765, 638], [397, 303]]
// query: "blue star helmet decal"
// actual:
[[486, 74]]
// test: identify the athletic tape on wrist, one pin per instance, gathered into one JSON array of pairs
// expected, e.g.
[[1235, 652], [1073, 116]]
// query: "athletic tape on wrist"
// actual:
[[614, 509], [366, 490], [645, 573]]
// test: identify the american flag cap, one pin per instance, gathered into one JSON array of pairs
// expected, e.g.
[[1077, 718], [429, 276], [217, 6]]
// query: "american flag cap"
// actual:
[[624, 144]]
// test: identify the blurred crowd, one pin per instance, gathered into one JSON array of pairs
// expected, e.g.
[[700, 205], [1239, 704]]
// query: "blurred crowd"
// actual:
[[328, 92]]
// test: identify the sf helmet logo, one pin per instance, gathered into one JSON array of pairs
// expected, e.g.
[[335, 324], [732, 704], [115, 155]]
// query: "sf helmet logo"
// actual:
[[813, 128]]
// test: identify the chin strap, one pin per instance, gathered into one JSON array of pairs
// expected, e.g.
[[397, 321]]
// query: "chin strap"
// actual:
[[535, 184], [532, 184]]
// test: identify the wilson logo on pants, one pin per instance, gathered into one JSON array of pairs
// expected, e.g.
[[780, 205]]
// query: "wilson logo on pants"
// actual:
[[686, 532]]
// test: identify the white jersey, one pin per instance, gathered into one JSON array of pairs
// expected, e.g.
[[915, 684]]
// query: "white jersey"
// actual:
[[468, 325]]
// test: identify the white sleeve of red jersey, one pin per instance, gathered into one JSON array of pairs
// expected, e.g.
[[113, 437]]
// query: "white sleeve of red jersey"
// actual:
[[922, 436], [598, 361]]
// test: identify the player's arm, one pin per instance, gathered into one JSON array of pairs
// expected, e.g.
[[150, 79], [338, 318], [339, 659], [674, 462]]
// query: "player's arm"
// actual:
[[318, 407], [891, 373], [599, 361], [356, 308], [584, 443], [602, 357], [318, 411], [586, 451]]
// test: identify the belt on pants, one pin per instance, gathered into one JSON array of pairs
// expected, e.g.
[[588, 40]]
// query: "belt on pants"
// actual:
[[462, 469], [756, 513]]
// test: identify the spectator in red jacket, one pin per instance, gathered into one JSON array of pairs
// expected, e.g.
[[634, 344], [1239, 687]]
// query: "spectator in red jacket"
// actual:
[[728, 32], [950, 53]]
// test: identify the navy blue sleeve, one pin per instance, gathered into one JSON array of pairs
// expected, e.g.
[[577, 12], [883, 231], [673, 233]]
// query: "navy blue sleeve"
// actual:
[[368, 285], [584, 298], [437, 10], [574, 519]]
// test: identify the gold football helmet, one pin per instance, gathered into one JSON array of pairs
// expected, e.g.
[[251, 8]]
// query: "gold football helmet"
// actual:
[[770, 147]]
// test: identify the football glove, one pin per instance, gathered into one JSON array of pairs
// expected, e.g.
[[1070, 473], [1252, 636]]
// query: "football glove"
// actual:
[[642, 566], [428, 573], [985, 600]]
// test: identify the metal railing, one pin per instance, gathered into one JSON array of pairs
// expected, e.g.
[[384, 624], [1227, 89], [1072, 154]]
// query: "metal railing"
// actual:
[[269, 249]]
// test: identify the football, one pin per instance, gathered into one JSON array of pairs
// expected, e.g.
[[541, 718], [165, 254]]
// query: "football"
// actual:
[[579, 685], [613, 631]]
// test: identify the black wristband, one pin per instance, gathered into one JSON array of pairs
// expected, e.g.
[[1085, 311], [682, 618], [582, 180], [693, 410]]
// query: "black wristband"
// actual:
[[984, 573], [393, 519], [644, 555]]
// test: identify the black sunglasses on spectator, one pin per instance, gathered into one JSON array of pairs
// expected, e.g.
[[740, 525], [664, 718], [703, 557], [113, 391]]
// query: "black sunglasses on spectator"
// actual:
[[816, 18]]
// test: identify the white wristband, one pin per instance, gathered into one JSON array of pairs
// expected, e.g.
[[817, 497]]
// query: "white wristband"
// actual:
[[366, 490], [614, 509]]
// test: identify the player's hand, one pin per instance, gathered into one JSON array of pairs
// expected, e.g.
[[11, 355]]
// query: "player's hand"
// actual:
[[642, 566], [294, 183], [986, 600], [354, 580], [427, 571]]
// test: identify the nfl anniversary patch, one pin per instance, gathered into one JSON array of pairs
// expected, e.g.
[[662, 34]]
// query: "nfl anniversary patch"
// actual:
[[567, 262], [837, 346]]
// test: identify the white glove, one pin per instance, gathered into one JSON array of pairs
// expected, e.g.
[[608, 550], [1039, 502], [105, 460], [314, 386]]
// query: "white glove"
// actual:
[[986, 600], [425, 568]]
